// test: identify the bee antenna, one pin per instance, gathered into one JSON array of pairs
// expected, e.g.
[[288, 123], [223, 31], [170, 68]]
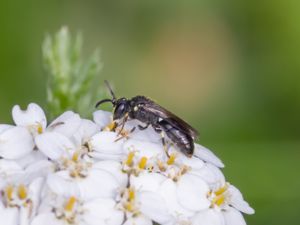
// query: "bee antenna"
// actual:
[[103, 101], [111, 91]]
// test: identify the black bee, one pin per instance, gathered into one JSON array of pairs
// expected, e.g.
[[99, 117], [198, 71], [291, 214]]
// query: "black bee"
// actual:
[[163, 121]]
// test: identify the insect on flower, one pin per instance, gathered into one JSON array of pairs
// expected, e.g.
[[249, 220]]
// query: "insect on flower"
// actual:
[[150, 113]]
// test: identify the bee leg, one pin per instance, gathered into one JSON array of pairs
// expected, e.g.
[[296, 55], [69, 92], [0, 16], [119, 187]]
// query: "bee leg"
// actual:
[[143, 128], [132, 129], [163, 139], [126, 135], [159, 130], [123, 124]]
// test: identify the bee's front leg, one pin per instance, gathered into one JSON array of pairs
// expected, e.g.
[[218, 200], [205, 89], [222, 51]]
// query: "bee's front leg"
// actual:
[[123, 123]]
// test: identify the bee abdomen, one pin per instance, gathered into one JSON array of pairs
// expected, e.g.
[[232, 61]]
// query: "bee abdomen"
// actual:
[[183, 141]]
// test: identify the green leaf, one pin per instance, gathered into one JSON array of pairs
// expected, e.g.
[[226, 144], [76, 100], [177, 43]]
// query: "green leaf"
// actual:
[[73, 83]]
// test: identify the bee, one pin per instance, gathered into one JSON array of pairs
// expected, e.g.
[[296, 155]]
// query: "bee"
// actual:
[[152, 114]]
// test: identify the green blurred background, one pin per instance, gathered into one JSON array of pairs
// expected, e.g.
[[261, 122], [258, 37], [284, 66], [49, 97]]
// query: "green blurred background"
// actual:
[[231, 68]]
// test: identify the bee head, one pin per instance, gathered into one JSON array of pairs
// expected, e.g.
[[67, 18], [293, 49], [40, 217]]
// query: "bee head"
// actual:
[[122, 107]]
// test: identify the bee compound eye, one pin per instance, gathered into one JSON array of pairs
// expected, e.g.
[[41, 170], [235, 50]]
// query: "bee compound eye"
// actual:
[[120, 111]]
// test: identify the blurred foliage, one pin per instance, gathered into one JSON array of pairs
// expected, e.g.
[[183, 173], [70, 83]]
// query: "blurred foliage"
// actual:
[[71, 83], [230, 68]]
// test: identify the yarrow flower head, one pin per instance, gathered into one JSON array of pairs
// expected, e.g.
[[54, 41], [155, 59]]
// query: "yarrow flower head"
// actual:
[[79, 171]]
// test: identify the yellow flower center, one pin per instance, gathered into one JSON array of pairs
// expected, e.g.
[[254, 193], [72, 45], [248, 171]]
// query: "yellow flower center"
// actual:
[[131, 194], [15, 196], [22, 192], [70, 204], [221, 190], [39, 128], [110, 127], [9, 192], [220, 196], [143, 162], [129, 160], [75, 156], [128, 201], [171, 159]]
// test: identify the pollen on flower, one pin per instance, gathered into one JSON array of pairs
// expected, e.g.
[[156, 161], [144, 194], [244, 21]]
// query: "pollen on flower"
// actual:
[[70, 204], [127, 202], [9, 192], [69, 210], [39, 128], [16, 196], [75, 156], [36, 128], [219, 200], [131, 194], [171, 159], [221, 190], [129, 160], [77, 165], [218, 197], [110, 127], [143, 162], [22, 191], [134, 164]]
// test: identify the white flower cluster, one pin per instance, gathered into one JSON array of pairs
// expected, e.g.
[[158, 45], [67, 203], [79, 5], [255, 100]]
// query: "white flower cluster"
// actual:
[[82, 172]]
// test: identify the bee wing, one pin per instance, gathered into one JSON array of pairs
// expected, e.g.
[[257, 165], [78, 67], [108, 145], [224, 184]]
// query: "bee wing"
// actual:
[[174, 120]]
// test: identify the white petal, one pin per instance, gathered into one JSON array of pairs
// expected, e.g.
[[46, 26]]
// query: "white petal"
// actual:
[[154, 207], [168, 191], [10, 216], [99, 184], [211, 174], [33, 115], [208, 217], [172, 222], [47, 219], [48, 199], [85, 131], [104, 142], [193, 162], [8, 170], [102, 211], [139, 220], [147, 181], [54, 145], [192, 193], [102, 118], [8, 167], [38, 169], [237, 201], [106, 156], [35, 189], [15, 143], [25, 215], [148, 135], [4, 127], [207, 155], [66, 124], [147, 149], [31, 158], [233, 217], [61, 184], [115, 169]]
